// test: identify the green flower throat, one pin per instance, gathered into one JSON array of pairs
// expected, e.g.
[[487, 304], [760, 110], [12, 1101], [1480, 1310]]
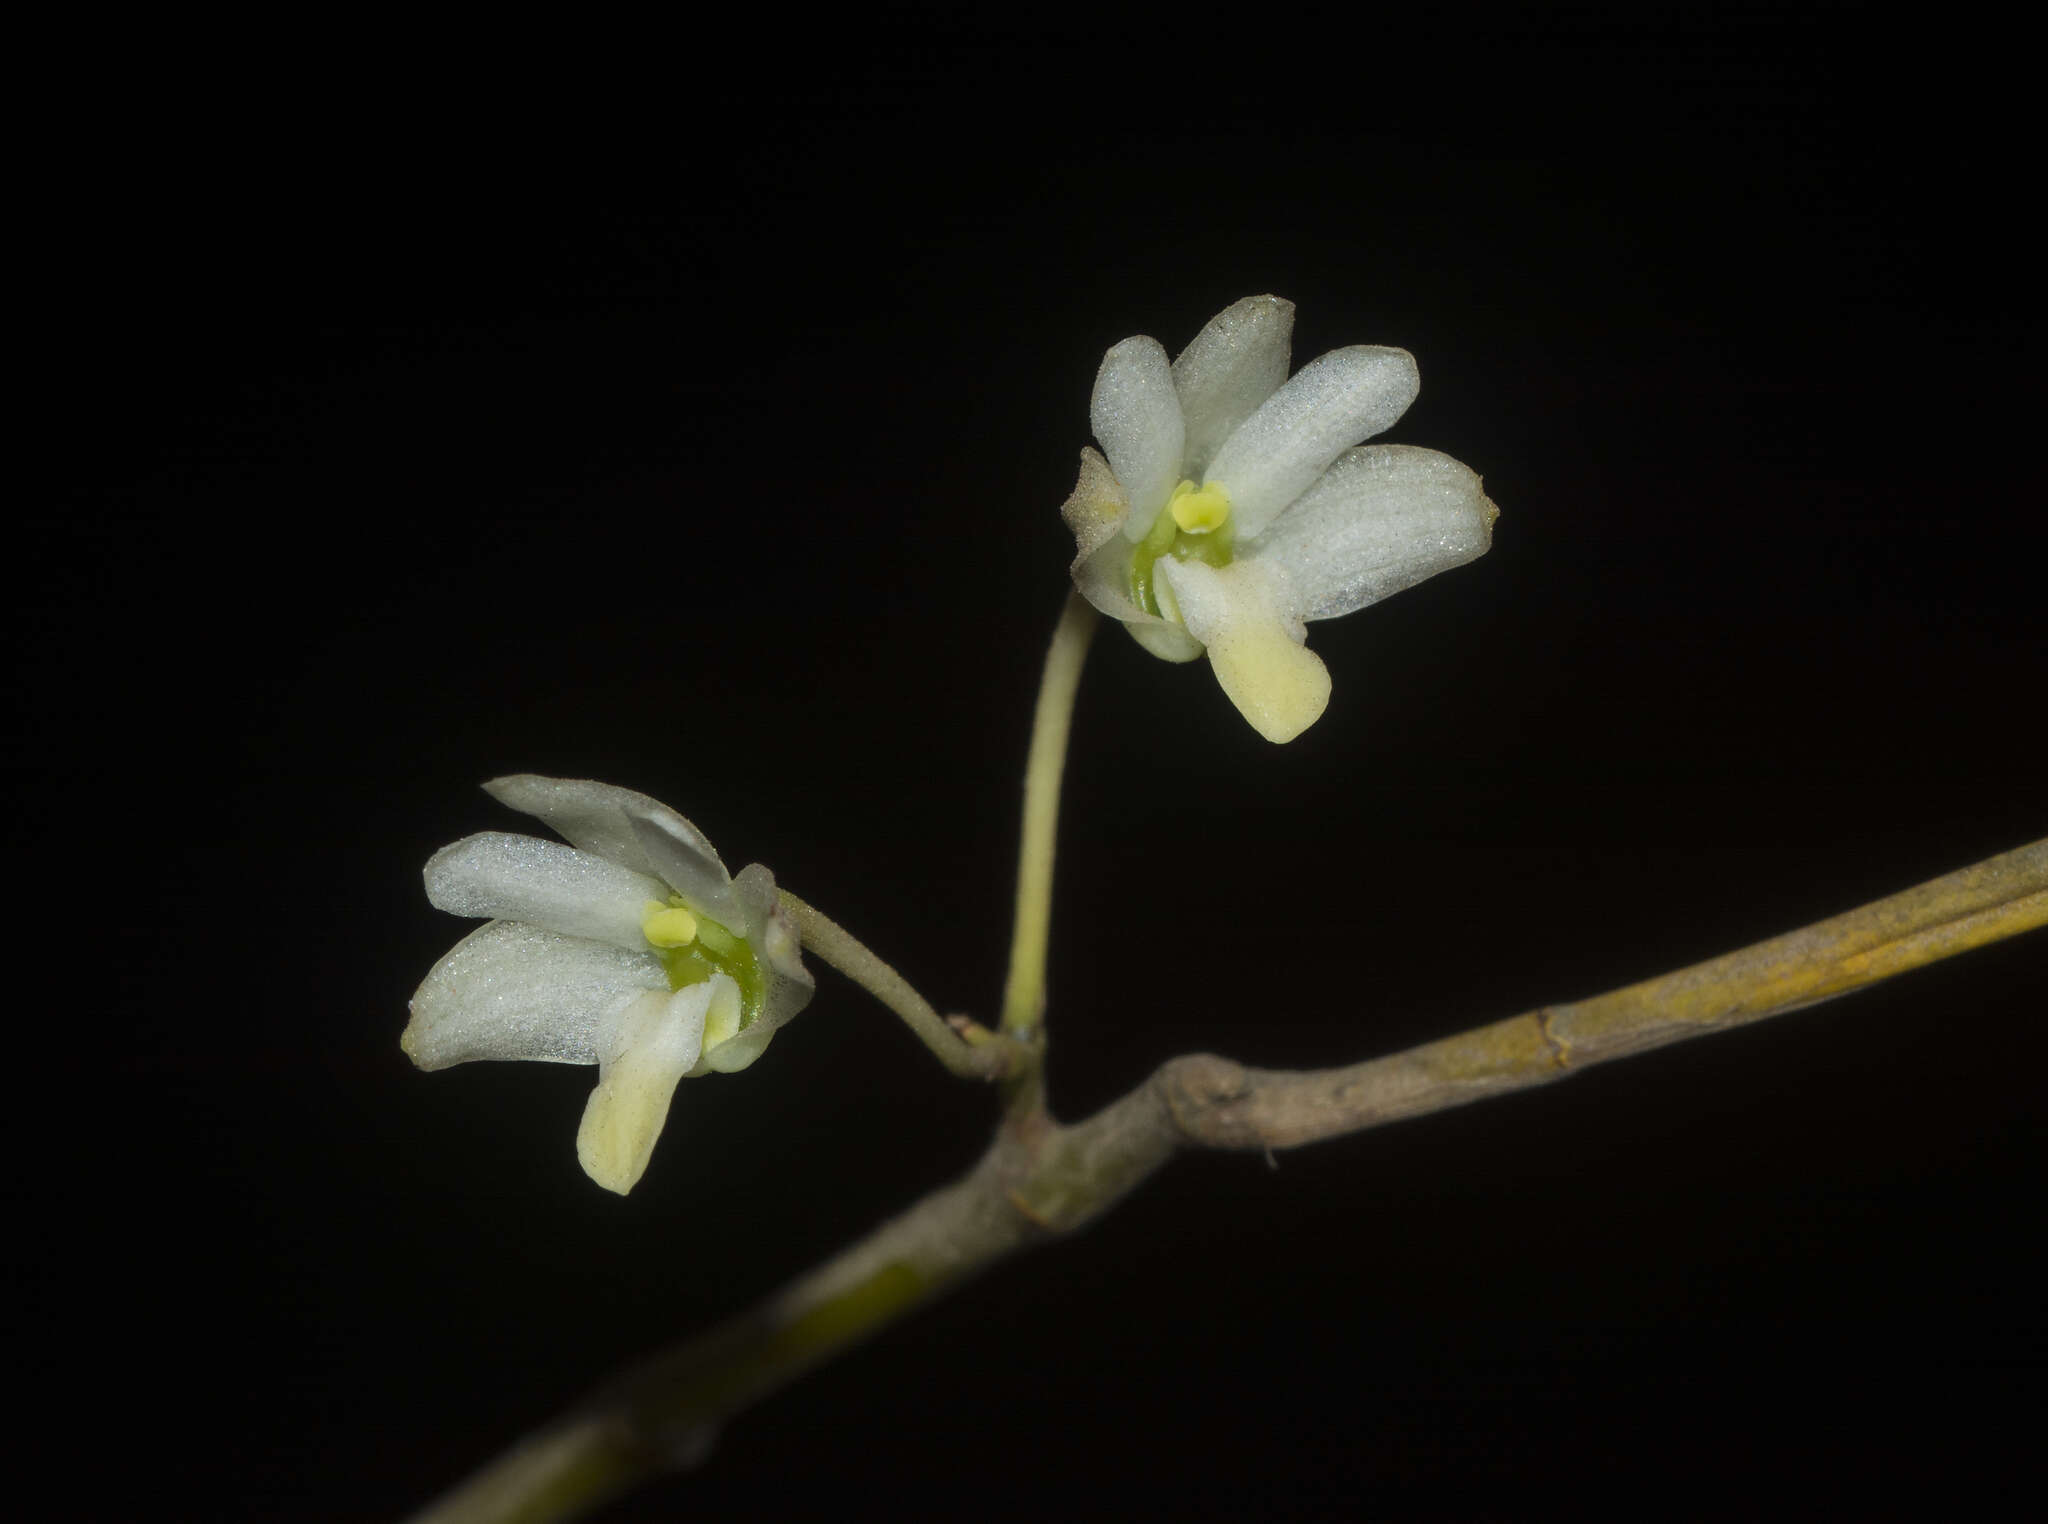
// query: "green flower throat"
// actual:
[[1195, 525], [692, 947]]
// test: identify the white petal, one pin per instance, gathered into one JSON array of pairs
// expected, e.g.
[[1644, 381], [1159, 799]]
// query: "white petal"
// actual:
[[1136, 419], [1381, 519], [521, 878], [1329, 405], [509, 990], [608, 820], [1234, 364], [1240, 612], [656, 1043]]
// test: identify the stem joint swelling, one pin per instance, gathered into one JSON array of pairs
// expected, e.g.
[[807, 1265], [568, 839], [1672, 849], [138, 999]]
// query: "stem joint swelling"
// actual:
[[1205, 1097]]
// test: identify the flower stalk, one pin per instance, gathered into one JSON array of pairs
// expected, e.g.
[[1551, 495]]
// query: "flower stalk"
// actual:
[[965, 1047], [1024, 989]]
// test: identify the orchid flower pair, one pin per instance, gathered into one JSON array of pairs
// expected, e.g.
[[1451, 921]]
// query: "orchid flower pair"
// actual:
[[1229, 506]]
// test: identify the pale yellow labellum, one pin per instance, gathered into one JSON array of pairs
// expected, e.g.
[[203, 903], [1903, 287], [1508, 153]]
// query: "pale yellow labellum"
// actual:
[[659, 1039], [1278, 684]]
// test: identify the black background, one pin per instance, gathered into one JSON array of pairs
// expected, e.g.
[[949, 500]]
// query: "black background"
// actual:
[[708, 441]]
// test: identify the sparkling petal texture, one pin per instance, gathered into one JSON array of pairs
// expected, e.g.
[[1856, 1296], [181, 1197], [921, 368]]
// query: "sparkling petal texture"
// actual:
[[1136, 418], [1381, 519], [655, 1043], [513, 991], [1235, 363], [1255, 645], [521, 878], [1328, 406]]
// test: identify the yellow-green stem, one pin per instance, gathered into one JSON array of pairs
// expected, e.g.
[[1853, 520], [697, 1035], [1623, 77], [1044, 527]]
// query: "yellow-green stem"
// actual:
[[1024, 993]]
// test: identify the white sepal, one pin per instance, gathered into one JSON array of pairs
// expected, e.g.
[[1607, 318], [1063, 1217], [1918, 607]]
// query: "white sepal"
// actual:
[[1235, 363]]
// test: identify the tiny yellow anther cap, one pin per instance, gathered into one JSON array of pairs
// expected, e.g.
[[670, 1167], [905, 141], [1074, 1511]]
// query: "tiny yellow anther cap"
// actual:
[[1200, 510], [667, 925]]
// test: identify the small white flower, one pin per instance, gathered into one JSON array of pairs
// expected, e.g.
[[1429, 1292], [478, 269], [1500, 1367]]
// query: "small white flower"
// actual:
[[632, 949], [1232, 506]]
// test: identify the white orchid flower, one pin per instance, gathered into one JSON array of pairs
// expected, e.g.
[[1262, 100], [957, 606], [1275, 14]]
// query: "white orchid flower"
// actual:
[[632, 949], [1232, 507]]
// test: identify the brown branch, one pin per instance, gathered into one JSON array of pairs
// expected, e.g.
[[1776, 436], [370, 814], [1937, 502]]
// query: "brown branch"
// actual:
[[1216, 1103], [1039, 1179]]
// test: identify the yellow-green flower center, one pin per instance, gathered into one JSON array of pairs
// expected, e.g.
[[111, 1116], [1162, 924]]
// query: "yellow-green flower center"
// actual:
[[692, 947], [1195, 525]]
